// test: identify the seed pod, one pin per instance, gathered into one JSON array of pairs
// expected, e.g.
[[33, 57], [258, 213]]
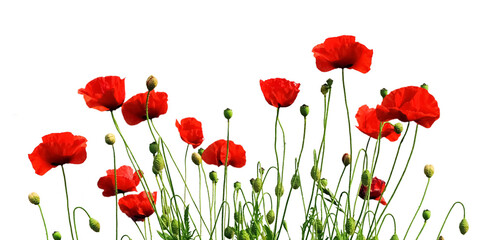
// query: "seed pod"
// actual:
[[426, 214], [56, 235], [153, 147], [228, 113], [304, 110]]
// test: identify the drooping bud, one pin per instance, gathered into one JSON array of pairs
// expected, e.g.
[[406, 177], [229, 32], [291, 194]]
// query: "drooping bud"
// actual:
[[94, 224], [56, 235], [429, 170], [110, 139], [324, 89], [243, 235], [158, 164], [394, 237], [366, 178], [270, 216], [257, 185], [346, 159], [153, 148], [426, 214], [295, 181], [350, 226], [318, 226], [213, 177], [304, 110], [228, 113], [229, 232], [329, 82], [425, 86], [383, 92], [196, 158], [398, 128], [464, 226], [175, 227], [315, 173], [279, 189], [152, 82], [237, 185], [34, 198]]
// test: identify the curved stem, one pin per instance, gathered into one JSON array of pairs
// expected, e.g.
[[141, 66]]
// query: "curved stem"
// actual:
[[74, 218], [67, 201], [424, 224], [463, 206]]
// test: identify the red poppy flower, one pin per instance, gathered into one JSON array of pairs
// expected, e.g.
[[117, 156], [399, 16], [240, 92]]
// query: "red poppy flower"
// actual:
[[369, 124], [342, 52], [279, 92], [137, 206], [127, 181], [58, 149], [134, 110], [215, 154], [376, 189], [409, 104], [190, 131], [104, 93]]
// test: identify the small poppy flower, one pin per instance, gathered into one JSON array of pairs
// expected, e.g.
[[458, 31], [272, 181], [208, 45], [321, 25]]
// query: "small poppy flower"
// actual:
[[377, 188], [104, 93], [342, 52], [134, 109], [409, 104], [279, 92], [137, 206], [369, 124], [127, 180], [215, 154], [58, 149], [190, 131]]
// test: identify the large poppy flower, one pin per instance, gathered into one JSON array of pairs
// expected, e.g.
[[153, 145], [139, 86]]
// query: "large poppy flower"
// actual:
[[279, 92], [409, 104], [215, 154], [190, 131], [342, 52], [134, 110], [137, 206], [127, 181], [58, 149], [376, 189], [369, 124], [104, 93]]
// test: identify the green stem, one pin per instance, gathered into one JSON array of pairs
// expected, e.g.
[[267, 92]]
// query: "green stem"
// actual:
[[67, 201], [447, 215], [424, 224], [43, 220], [417, 210], [116, 191], [139, 229], [224, 185], [74, 218], [185, 170]]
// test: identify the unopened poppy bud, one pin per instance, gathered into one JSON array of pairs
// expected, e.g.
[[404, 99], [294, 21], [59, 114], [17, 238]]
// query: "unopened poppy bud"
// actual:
[[158, 164], [304, 110], [426, 214], [166, 210], [153, 148], [56, 235], [110, 139], [279, 190], [213, 177], [398, 128], [237, 185], [94, 224], [383, 92], [238, 217], [346, 159], [261, 170], [34, 198], [254, 229], [315, 173], [152, 82], [229, 232], [366, 178], [243, 235], [324, 89], [270, 216], [251, 181], [164, 221], [196, 158], [257, 185], [464, 226], [228, 113], [394, 237], [329, 82], [350, 226], [323, 182], [425, 86], [318, 226], [175, 227], [295, 181], [428, 170]]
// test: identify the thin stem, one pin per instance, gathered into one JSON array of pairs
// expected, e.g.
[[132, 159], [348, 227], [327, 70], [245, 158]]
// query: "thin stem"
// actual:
[[116, 191], [224, 185], [74, 218], [424, 224], [139, 229], [417, 210], [463, 206], [185, 170], [43, 220], [67, 201]]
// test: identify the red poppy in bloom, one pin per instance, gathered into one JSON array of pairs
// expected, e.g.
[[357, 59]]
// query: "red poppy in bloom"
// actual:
[[190, 131], [409, 104], [342, 52], [369, 124], [134, 110], [127, 181], [279, 92], [215, 154], [104, 93], [58, 149], [376, 189], [137, 206]]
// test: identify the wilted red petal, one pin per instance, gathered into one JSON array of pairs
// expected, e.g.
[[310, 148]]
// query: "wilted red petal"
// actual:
[[377, 188], [215, 154], [127, 181], [104, 93], [190, 131], [137, 206], [279, 92], [134, 110], [369, 124]]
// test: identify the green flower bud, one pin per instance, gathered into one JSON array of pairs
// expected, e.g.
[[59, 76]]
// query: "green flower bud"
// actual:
[[237, 185], [270, 216], [254, 229], [398, 128], [213, 177], [200, 151], [238, 217], [257, 185], [350, 226], [329, 82], [295, 181], [323, 182], [426, 214], [318, 226], [324, 89], [243, 235], [346, 159], [279, 189], [375, 238], [164, 220], [153, 148], [94, 224], [34, 198], [261, 170], [158, 164], [228, 113], [110, 139], [56, 235], [425, 86], [366, 178], [428, 170], [315, 173], [152, 82], [383, 92], [464, 226], [304, 110], [196, 158], [175, 227], [360, 236], [394, 237], [229, 232]]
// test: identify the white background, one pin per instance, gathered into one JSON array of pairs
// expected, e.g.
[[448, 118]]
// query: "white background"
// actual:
[[211, 55]]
